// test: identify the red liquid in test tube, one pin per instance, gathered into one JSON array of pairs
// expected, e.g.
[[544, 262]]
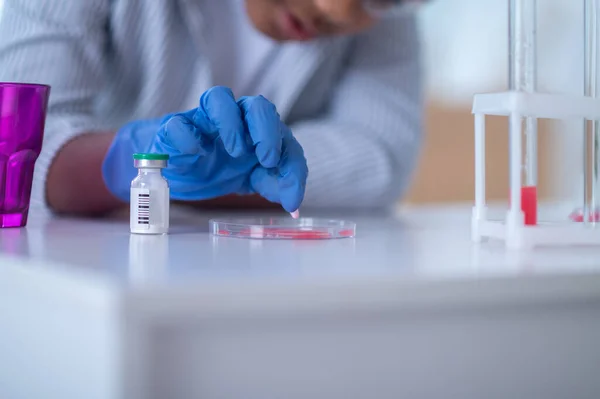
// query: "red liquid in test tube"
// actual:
[[529, 204]]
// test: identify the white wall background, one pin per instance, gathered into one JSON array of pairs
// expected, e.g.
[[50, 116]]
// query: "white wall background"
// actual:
[[466, 46]]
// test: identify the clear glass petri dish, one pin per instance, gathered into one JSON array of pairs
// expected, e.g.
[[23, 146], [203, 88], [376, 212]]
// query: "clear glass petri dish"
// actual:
[[282, 228]]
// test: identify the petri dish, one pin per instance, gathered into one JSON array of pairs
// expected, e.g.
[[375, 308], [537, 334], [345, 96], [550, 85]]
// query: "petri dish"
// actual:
[[281, 228]]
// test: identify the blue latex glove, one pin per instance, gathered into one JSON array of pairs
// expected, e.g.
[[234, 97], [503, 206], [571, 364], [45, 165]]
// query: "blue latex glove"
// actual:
[[222, 147]]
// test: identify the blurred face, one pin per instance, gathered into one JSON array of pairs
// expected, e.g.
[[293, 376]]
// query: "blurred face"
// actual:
[[302, 20]]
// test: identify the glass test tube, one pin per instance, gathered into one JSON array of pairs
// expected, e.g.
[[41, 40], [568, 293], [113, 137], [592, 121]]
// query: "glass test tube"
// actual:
[[591, 176], [523, 77]]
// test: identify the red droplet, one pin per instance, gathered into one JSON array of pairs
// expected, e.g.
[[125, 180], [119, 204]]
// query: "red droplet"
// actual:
[[289, 233]]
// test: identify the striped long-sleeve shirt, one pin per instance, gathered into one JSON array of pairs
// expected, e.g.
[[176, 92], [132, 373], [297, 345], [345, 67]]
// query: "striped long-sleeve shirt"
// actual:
[[354, 103]]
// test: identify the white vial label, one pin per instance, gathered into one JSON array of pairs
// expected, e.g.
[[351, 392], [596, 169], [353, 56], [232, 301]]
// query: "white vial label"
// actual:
[[149, 213]]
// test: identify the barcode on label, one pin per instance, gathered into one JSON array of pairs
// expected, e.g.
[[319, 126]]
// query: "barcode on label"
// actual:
[[143, 210]]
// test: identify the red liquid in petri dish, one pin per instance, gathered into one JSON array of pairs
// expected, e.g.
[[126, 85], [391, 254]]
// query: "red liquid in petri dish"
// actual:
[[289, 233]]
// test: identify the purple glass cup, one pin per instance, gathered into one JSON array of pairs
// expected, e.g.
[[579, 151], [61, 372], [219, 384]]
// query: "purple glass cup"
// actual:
[[22, 119]]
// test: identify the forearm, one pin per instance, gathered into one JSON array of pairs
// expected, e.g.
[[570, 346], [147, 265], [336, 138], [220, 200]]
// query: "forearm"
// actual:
[[74, 184]]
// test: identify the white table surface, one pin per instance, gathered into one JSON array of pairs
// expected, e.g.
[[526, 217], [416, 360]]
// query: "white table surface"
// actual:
[[136, 316]]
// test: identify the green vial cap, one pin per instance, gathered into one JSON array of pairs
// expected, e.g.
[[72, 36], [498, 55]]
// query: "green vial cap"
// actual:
[[150, 157]]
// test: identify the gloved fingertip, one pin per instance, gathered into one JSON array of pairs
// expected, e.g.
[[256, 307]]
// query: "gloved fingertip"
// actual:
[[291, 205], [291, 193], [219, 93]]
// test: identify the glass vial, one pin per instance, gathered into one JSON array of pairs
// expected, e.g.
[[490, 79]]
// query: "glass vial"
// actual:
[[591, 178], [149, 199]]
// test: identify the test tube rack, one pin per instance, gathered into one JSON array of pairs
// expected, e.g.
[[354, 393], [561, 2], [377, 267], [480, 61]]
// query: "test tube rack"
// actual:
[[513, 230], [522, 102]]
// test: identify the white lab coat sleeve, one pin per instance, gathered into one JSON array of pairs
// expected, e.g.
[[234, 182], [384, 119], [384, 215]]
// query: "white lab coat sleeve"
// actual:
[[61, 45], [363, 151]]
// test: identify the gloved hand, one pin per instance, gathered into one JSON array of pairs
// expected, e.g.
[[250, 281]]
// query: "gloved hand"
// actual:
[[222, 147]]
